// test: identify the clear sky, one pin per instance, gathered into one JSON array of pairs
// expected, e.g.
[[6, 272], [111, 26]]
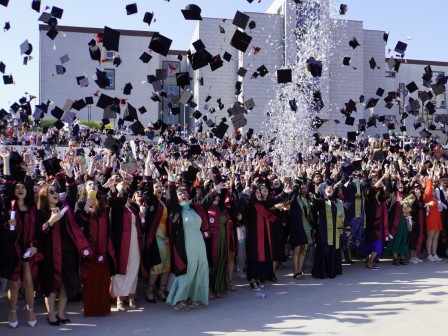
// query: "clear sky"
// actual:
[[421, 24]]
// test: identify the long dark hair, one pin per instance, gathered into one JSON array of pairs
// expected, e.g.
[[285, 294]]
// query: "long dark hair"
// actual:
[[83, 198], [29, 198]]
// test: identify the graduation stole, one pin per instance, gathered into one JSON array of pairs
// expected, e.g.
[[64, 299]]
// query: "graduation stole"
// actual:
[[304, 206], [333, 237], [358, 199]]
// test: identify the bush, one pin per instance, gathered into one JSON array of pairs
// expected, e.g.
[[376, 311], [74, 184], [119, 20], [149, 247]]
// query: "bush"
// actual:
[[90, 124]]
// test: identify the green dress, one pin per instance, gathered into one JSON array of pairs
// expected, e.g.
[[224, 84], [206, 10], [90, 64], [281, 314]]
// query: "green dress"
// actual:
[[193, 284]]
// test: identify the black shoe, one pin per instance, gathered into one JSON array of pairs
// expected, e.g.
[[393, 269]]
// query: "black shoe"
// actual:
[[65, 321], [254, 286], [55, 323], [274, 279]]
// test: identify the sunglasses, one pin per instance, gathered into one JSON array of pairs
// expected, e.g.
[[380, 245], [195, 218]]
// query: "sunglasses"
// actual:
[[52, 192]]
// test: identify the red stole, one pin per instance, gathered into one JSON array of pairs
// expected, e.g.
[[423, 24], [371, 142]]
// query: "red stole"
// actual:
[[262, 222], [78, 239], [397, 214], [382, 216], [126, 237], [204, 226], [214, 218], [27, 231], [155, 224]]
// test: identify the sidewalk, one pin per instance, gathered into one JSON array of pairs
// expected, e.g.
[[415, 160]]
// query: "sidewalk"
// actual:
[[408, 300]]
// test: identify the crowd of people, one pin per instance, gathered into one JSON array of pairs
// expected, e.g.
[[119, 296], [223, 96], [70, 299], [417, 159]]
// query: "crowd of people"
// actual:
[[184, 213]]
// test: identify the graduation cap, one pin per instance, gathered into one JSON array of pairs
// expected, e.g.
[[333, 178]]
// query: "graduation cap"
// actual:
[[57, 12], [412, 87], [343, 9], [249, 104], [239, 121], [26, 48], [196, 114], [350, 106], [400, 47], [430, 107], [423, 96], [192, 12], [182, 79], [371, 103], [293, 105], [52, 166], [390, 126], [351, 136], [111, 39], [438, 89], [240, 41], [315, 67], [137, 128], [227, 56], [52, 33], [425, 133], [89, 100], [142, 110], [95, 52], [101, 79], [385, 37], [160, 44], [216, 62], [79, 104], [7, 26], [236, 109], [209, 123], [145, 57], [201, 80], [262, 70], [284, 76], [380, 92], [414, 105], [60, 69], [58, 124], [317, 122], [68, 117], [252, 25], [175, 109], [103, 102], [200, 59], [131, 113], [7, 79], [35, 5], [241, 72], [220, 130], [57, 112], [148, 18], [354, 43], [185, 97], [112, 144], [240, 20], [64, 58], [346, 61], [402, 128], [349, 120], [372, 63], [131, 9], [117, 61], [2, 67], [198, 45], [127, 89], [155, 97]]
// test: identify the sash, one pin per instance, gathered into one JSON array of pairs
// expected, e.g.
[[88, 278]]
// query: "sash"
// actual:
[[332, 236], [359, 210], [262, 222], [304, 207], [154, 225]]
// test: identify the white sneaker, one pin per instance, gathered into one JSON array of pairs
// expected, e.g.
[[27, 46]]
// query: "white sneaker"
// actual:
[[418, 259], [430, 257], [437, 258], [413, 261]]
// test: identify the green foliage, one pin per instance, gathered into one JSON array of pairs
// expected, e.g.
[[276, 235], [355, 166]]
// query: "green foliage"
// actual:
[[90, 124]]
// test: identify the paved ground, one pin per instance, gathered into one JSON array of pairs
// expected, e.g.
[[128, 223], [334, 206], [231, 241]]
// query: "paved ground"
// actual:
[[409, 300]]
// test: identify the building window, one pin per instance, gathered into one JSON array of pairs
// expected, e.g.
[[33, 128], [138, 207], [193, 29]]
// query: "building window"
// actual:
[[391, 74], [172, 93], [171, 68], [440, 101], [110, 73], [109, 56]]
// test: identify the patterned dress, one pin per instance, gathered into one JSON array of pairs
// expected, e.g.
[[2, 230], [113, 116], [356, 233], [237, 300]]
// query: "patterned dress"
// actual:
[[163, 244]]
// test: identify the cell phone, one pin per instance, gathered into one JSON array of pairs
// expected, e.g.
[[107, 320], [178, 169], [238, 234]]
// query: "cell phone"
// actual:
[[92, 194], [27, 254], [64, 210]]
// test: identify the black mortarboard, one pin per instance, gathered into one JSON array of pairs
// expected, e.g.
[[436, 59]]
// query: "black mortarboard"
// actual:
[[400, 47], [216, 62], [423, 96], [372, 63], [221, 130], [417, 125], [240, 40], [284, 76], [57, 112], [252, 25], [380, 92], [185, 97], [4, 2], [196, 114], [314, 67], [240, 20], [52, 33], [415, 105], [101, 79], [346, 61], [79, 104], [155, 97], [430, 107], [35, 5], [7, 79], [111, 39], [58, 124], [350, 106], [412, 87], [46, 18], [127, 89], [353, 43], [95, 52], [2, 67], [192, 12], [142, 110], [241, 72], [209, 123], [131, 113], [89, 100], [145, 57], [131, 9], [198, 45], [183, 79], [390, 126], [432, 127], [112, 144], [148, 18], [15, 107], [104, 101], [385, 37], [372, 103], [175, 109], [402, 128], [351, 136], [7, 26], [249, 104], [160, 44], [438, 89], [386, 136], [293, 105], [117, 61], [137, 128], [52, 166], [57, 12], [425, 134], [382, 118], [239, 120], [349, 121], [227, 56], [361, 99], [26, 48], [200, 59], [262, 70], [60, 69], [343, 9]]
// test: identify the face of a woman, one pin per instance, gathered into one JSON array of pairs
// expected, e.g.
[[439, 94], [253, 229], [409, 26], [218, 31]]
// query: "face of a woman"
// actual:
[[400, 186], [91, 186], [182, 196], [258, 195], [418, 193], [304, 189], [329, 191], [53, 196], [264, 192], [158, 191], [20, 191]]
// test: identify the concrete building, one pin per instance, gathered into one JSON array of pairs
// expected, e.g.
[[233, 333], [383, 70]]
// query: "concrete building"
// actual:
[[64, 88]]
